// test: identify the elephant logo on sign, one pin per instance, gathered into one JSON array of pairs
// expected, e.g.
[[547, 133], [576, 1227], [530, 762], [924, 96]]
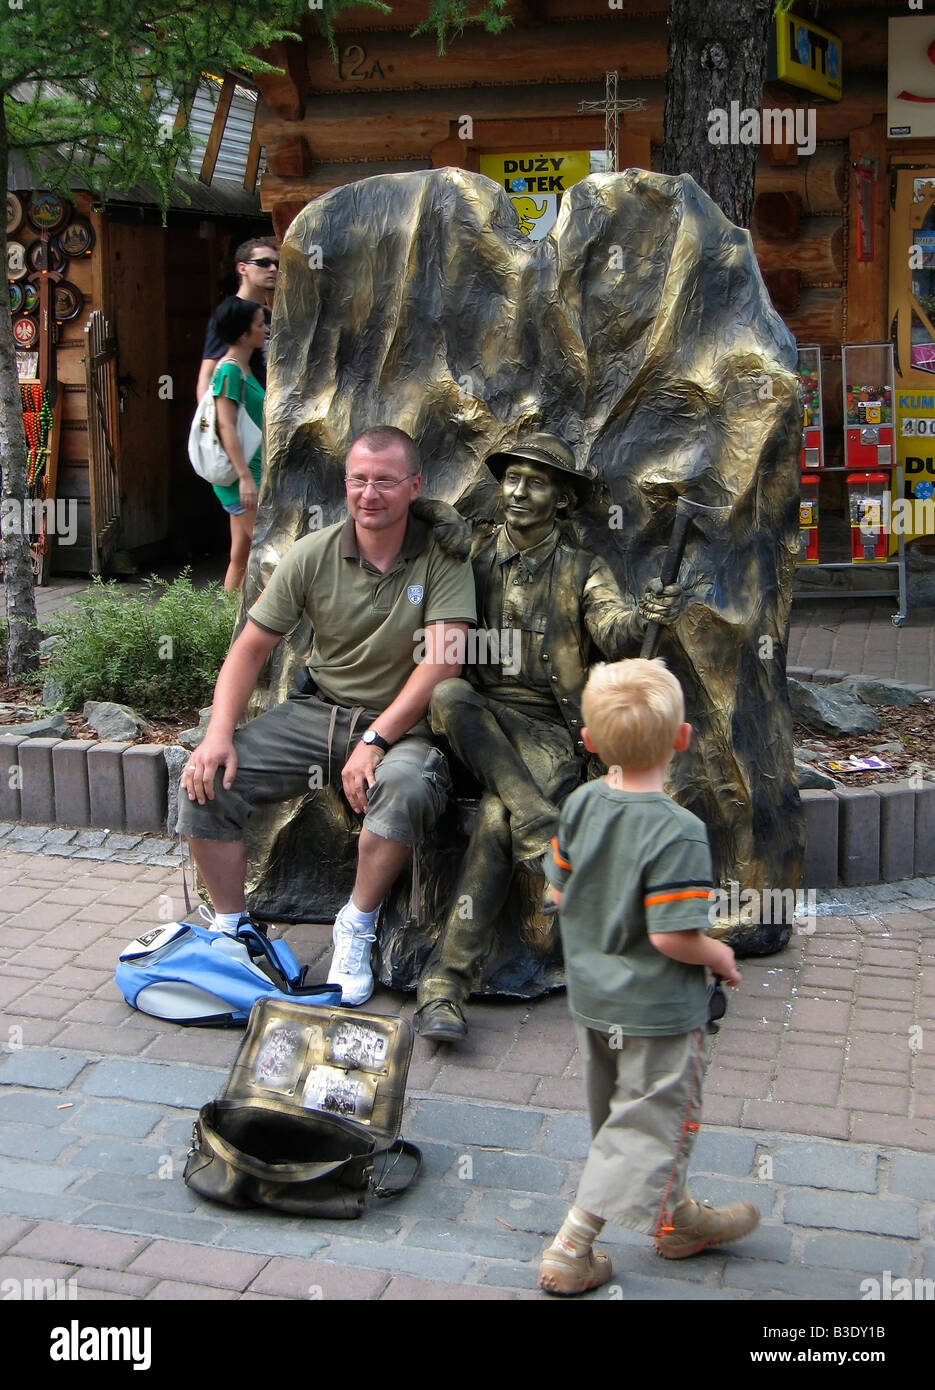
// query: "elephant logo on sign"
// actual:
[[528, 213]]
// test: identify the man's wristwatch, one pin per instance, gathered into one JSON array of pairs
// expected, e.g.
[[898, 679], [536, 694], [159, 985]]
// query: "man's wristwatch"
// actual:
[[374, 740]]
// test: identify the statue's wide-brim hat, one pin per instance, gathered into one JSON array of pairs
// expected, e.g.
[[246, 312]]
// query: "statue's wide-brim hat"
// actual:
[[550, 452]]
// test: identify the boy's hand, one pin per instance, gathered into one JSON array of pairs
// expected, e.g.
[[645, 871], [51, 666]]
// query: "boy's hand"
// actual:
[[723, 964]]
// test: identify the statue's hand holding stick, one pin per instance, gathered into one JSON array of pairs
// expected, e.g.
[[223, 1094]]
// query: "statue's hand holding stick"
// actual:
[[663, 600]]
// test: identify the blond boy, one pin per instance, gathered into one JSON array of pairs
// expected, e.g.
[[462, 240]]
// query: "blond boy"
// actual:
[[631, 872]]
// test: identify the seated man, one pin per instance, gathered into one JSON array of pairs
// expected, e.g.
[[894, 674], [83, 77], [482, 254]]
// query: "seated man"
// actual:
[[366, 584], [517, 725]]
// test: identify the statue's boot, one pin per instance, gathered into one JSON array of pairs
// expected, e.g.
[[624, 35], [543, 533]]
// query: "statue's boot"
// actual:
[[467, 938]]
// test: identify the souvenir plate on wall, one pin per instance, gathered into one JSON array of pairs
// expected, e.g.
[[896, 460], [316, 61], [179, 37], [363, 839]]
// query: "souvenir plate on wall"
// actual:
[[48, 212], [30, 297], [16, 267], [68, 299], [78, 237], [14, 214], [25, 331], [45, 255], [17, 296]]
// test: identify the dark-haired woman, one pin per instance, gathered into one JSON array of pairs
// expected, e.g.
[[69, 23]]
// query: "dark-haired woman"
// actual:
[[242, 325]]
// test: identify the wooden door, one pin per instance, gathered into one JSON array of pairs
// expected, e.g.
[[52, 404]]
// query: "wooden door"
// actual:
[[100, 366]]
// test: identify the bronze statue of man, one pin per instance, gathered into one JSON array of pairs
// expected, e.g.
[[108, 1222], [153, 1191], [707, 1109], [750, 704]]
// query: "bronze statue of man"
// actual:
[[542, 600]]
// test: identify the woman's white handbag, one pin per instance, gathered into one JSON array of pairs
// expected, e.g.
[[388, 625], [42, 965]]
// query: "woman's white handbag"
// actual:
[[204, 446]]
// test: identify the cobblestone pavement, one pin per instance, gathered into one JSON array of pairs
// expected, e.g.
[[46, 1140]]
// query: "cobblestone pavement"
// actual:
[[858, 636], [820, 1108]]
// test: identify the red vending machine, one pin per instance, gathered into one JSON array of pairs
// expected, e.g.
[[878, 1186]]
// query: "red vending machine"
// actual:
[[813, 439], [867, 372], [808, 519]]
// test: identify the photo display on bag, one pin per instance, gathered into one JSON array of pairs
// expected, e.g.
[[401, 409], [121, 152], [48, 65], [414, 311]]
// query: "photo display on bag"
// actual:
[[327, 1057], [337, 1093], [280, 1060]]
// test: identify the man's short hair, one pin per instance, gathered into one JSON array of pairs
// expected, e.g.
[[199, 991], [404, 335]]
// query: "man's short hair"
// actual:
[[382, 437], [632, 711], [246, 249]]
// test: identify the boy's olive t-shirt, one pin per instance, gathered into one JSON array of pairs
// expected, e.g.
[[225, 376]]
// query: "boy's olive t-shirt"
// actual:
[[366, 624], [628, 864]]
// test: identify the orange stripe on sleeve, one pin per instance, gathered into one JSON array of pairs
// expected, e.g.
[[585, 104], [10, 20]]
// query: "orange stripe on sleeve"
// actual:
[[676, 897], [562, 863]]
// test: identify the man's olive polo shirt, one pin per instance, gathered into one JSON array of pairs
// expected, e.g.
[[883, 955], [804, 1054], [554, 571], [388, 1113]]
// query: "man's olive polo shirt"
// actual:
[[366, 624]]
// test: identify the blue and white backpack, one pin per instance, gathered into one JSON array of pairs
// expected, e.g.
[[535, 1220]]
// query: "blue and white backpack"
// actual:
[[187, 974]]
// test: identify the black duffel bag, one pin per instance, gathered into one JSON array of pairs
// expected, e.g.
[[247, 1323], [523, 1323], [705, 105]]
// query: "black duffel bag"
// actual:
[[308, 1122]]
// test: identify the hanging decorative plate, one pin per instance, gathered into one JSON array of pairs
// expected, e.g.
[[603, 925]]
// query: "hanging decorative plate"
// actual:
[[14, 214], [30, 297], [17, 295], [16, 267], [45, 255], [25, 330], [77, 238], [48, 212], [69, 301]]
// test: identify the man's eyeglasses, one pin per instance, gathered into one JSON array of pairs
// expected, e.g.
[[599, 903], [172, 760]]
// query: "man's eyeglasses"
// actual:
[[264, 261], [357, 484]]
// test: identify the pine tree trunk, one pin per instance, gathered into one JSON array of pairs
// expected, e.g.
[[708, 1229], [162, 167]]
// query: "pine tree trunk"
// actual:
[[717, 55], [22, 628]]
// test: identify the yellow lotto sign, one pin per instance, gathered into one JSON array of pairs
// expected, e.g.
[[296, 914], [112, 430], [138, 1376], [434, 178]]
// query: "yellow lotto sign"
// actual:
[[915, 450], [808, 56], [535, 183]]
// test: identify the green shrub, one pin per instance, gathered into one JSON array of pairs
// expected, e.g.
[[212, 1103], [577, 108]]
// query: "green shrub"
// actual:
[[159, 650]]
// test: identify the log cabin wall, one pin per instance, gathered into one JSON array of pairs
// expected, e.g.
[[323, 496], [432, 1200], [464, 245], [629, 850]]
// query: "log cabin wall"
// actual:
[[393, 104]]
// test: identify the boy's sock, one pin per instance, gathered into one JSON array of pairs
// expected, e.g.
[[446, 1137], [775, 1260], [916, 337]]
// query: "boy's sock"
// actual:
[[578, 1233]]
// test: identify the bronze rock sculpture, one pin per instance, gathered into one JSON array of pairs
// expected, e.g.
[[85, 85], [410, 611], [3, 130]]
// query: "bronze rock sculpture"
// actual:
[[640, 331]]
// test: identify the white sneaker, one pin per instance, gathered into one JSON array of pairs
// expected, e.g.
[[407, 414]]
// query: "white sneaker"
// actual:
[[350, 964]]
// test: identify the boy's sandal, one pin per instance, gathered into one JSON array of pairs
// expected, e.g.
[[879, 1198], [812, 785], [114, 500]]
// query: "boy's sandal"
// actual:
[[561, 1273]]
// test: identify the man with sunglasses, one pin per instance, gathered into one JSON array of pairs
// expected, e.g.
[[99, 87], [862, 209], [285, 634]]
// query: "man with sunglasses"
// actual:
[[359, 715], [257, 265]]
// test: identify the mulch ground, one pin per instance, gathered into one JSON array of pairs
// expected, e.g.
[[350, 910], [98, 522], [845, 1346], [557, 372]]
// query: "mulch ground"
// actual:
[[912, 726]]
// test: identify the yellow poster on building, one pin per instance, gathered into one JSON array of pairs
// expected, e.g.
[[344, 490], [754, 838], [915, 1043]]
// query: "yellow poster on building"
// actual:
[[915, 450], [535, 183]]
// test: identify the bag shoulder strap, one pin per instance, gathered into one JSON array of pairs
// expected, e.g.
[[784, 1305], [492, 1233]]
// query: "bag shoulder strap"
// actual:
[[386, 1185], [243, 377]]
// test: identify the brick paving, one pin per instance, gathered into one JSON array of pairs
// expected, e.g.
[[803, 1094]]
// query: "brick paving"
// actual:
[[820, 1107], [859, 638], [820, 1101]]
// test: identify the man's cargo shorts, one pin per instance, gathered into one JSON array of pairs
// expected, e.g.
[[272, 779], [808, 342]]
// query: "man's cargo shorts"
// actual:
[[303, 744]]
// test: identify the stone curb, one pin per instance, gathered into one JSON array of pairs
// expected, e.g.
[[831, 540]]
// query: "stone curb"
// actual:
[[863, 835], [854, 836], [85, 783]]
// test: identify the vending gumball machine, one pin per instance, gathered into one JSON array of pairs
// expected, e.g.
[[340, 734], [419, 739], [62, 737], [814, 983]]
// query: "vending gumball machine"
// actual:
[[808, 519], [866, 495], [867, 372], [813, 439]]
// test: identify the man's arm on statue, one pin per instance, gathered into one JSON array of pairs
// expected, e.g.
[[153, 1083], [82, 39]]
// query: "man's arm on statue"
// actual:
[[444, 645]]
